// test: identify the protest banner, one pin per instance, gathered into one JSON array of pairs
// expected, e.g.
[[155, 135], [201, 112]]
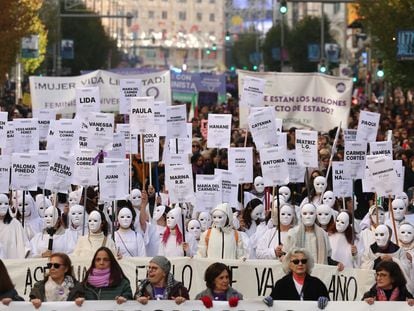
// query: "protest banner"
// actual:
[[5, 163], [26, 135], [43, 157], [296, 172], [59, 176], [88, 100], [342, 186], [252, 92], [160, 116], [141, 115], [100, 130], [303, 100], [354, 160], [85, 172], [240, 162], [9, 149], [59, 92], [229, 187], [3, 129], [114, 180], [350, 134], [131, 141], [24, 171], [44, 116], [262, 125], [176, 121], [306, 146], [179, 182], [208, 192], [383, 174], [129, 88], [152, 145], [219, 130], [63, 135], [381, 148], [274, 166], [367, 126], [118, 148]]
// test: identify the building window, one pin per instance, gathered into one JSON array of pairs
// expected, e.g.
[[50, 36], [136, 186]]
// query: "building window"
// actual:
[[182, 15], [164, 14], [212, 17], [199, 17], [151, 14]]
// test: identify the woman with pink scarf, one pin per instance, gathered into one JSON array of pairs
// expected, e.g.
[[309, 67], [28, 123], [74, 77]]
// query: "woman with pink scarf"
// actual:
[[104, 280]]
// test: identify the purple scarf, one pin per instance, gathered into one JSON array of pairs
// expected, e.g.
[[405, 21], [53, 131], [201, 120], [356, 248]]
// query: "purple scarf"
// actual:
[[99, 277]]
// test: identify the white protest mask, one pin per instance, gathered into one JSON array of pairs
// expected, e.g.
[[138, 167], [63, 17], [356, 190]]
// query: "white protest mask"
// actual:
[[94, 222], [76, 215], [51, 217], [308, 214], [125, 218], [135, 197], [258, 212], [194, 227], [406, 233], [73, 198], [329, 198], [286, 215], [158, 212], [4, 204], [219, 218], [282, 201], [42, 203], [27, 208], [319, 183], [205, 220], [285, 192], [399, 208], [382, 235], [259, 184], [323, 214], [342, 222], [403, 196], [173, 217]]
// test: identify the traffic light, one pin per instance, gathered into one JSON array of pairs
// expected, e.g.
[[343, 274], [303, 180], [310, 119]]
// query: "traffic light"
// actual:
[[283, 7], [322, 67], [232, 68], [355, 79], [208, 51], [380, 70], [214, 48], [227, 36], [255, 68]]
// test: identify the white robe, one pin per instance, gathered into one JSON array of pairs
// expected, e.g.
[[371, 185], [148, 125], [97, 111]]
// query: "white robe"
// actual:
[[172, 249], [40, 242], [341, 251], [129, 243], [88, 244], [14, 239], [268, 242]]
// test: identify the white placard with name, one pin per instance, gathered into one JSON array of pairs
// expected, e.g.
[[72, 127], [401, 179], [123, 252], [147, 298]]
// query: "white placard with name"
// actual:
[[26, 135], [176, 121], [354, 159], [252, 92], [114, 180], [63, 135], [342, 186], [118, 149], [43, 160], [296, 172], [88, 100], [307, 148], [383, 175], [5, 162], [350, 134], [367, 126], [274, 166], [179, 182], [219, 129], [240, 162], [160, 116], [262, 125], [44, 116], [24, 171], [3, 128], [60, 173], [179, 145], [141, 116], [85, 173], [100, 130], [229, 187], [208, 192], [9, 149], [131, 141], [381, 148], [128, 88], [152, 145]]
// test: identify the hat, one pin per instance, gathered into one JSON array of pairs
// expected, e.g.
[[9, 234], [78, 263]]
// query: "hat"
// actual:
[[162, 262]]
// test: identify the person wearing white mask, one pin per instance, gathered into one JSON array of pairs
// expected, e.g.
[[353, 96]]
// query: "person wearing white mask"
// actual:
[[74, 198], [160, 219], [342, 241], [325, 218], [257, 193], [319, 187], [129, 243], [77, 222], [42, 203], [403, 196], [329, 199], [135, 197], [205, 220], [310, 236], [368, 224], [96, 237], [254, 225], [399, 210], [175, 242], [12, 235], [221, 241], [194, 228], [384, 249], [406, 238], [269, 246], [53, 238], [32, 222]]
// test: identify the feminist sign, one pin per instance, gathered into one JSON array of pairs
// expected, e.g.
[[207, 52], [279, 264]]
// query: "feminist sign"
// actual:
[[274, 166], [24, 172], [85, 173], [179, 182], [60, 174], [241, 163], [100, 130], [208, 192], [129, 88], [26, 135], [354, 160], [307, 148], [262, 125], [141, 114], [367, 126], [342, 186], [113, 180], [4, 173], [218, 133], [87, 100]]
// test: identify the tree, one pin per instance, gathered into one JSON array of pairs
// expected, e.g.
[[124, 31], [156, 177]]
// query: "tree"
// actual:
[[246, 51], [271, 42], [382, 19]]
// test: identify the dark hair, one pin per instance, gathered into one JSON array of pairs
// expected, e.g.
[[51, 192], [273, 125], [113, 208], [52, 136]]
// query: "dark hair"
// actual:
[[116, 273], [66, 262], [104, 222], [246, 214], [397, 276], [213, 271], [6, 282], [349, 232]]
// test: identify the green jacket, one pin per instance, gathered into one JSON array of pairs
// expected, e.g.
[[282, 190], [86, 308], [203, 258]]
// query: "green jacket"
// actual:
[[90, 292]]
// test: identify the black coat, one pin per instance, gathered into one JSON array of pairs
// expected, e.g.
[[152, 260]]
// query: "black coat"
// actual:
[[403, 296], [285, 289]]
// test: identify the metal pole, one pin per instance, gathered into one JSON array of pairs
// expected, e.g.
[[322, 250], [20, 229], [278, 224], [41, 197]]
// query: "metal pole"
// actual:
[[282, 41], [322, 31]]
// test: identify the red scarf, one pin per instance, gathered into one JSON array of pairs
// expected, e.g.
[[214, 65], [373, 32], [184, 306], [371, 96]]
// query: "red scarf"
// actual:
[[382, 297], [299, 278]]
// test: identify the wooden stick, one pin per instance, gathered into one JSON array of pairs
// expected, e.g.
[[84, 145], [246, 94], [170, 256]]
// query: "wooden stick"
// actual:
[[393, 220]]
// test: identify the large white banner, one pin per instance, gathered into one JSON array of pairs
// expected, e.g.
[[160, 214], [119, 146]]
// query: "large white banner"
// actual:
[[219, 127], [208, 192], [59, 92], [306, 146], [303, 100], [240, 162], [24, 171]]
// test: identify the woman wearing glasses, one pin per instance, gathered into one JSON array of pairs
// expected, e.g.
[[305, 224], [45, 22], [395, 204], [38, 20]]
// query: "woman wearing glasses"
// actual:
[[298, 284], [57, 283]]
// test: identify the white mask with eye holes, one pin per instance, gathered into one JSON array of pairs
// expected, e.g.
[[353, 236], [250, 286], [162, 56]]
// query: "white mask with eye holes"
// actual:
[[323, 214], [205, 220], [125, 218], [4, 204], [51, 217], [308, 214], [172, 219], [194, 228], [76, 215], [403, 196], [382, 235], [219, 218], [27, 209], [406, 233], [399, 209], [94, 222], [259, 184], [73, 198], [329, 198], [342, 222], [319, 183], [42, 203], [158, 212], [135, 197], [258, 213], [381, 217], [286, 215], [285, 192]]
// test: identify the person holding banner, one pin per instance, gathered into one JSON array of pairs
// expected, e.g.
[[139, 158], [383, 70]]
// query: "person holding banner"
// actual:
[[104, 280], [7, 291], [57, 284]]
